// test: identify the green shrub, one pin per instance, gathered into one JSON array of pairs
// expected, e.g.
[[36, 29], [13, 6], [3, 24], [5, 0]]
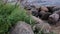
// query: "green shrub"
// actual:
[[9, 15]]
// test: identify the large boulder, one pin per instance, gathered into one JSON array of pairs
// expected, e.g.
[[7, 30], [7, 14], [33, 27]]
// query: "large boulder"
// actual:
[[41, 26], [44, 8], [55, 17], [22, 28]]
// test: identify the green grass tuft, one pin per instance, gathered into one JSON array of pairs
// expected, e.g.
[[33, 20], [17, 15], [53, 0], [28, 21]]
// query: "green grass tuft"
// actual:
[[9, 15]]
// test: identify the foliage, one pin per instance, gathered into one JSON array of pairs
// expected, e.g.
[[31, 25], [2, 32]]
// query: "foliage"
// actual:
[[9, 15]]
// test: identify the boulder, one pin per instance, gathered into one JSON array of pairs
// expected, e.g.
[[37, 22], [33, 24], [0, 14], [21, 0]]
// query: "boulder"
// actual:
[[55, 17], [41, 26], [45, 28], [43, 8], [22, 28], [34, 12], [44, 15]]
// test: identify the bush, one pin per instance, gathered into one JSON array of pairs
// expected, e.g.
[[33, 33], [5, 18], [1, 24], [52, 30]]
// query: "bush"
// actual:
[[9, 15]]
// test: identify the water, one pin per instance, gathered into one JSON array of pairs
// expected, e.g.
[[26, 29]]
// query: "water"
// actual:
[[44, 2], [41, 2]]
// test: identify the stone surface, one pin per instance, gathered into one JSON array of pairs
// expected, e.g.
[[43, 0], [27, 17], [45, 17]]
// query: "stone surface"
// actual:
[[41, 25], [55, 17], [22, 28], [44, 9]]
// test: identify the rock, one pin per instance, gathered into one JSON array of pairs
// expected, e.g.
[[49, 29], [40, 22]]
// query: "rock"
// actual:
[[50, 8], [41, 14], [44, 8], [37, 20], [34, 12], [45, 27], [44, 15], [41, 25], [54, 18], [22, 28]]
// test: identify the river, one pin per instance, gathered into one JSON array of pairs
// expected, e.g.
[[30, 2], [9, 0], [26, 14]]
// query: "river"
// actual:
[[41, 2]]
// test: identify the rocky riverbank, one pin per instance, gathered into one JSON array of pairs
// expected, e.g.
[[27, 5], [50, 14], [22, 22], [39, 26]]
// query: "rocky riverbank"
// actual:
[[46, 16]]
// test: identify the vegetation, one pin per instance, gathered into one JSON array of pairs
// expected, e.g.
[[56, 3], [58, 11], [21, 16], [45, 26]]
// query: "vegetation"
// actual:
[[9, 15]]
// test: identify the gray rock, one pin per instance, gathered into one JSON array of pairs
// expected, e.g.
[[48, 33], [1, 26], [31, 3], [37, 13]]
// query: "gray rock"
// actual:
[[44, 27], [41, 25], [22, 28], [55, 17], [34, 12]]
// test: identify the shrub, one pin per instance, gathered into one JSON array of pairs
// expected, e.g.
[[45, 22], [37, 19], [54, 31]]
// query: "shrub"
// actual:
[[9, 15]]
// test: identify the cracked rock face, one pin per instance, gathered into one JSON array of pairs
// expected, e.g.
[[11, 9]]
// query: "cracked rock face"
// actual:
[[22, 28]]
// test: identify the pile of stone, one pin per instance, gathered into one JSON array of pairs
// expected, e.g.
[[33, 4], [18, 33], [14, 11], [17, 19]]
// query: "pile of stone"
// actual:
[[50, 14]]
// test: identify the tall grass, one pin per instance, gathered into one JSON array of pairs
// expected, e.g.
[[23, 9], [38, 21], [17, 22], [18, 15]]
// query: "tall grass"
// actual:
[[9, 15]]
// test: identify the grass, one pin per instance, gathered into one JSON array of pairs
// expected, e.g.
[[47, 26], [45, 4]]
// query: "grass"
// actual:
[[10, 15]]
